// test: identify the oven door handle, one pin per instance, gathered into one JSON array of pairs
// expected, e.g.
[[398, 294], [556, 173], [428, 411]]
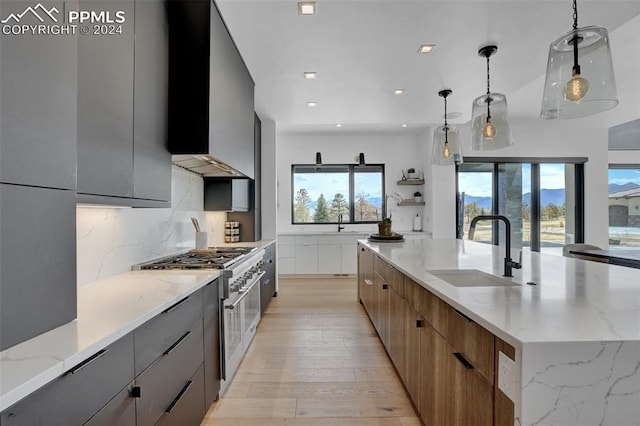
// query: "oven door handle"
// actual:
[[245, 292]]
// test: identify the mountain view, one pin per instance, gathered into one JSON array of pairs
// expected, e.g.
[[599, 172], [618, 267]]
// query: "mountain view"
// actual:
[[547, 196], [614, 187]]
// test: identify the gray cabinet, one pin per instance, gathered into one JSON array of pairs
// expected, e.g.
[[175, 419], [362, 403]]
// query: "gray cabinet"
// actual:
[[211, 91], [105, 106], [227, 194], [268, 282], [123, 157], [38, 114], [162, 383], [157, 335], [121, 411], [73, 398], [211, 317], [187, 409], [151, 158], [38, 262]]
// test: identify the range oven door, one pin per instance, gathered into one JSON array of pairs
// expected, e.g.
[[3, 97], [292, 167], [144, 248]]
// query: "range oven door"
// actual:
[[251, 312]]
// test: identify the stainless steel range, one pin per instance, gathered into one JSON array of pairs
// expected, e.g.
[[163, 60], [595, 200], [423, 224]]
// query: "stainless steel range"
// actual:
[[241, 271]]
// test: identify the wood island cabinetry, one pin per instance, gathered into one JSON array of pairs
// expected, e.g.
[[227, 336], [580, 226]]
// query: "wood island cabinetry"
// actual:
[[445, 359]]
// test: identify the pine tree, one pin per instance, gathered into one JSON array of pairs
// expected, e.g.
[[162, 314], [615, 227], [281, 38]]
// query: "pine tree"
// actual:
[[339, 205], [301, 207], [322, 211]]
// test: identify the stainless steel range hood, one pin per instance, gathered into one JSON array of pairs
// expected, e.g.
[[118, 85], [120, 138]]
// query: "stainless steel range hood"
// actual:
[[205, 165]]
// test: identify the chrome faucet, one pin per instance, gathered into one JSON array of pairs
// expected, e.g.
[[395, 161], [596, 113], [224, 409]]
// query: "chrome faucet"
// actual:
[[508, 262], [340, 227]]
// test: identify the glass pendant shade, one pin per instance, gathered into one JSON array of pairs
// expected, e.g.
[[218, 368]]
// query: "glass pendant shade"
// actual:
[[495, 135], [593, 90], [449, 153]]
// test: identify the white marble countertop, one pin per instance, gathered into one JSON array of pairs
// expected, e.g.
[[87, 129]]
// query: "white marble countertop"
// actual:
[[107, 310], [573, 301]]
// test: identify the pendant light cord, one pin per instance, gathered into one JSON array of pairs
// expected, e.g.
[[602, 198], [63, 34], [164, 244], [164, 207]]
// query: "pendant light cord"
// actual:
[[576, 39], [488, 93], [446, 127]]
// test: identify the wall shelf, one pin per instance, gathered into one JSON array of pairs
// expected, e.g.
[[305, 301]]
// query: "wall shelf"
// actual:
[[411, 182], [411, 203]]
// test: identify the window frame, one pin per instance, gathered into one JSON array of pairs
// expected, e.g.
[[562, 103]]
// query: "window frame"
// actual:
[[535, 162], [351, 196]]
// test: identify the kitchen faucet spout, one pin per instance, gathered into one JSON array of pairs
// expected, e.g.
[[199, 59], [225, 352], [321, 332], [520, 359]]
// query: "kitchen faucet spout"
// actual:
[[509, 264], [340, 227]]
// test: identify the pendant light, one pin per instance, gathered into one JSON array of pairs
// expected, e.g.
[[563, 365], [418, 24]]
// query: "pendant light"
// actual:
[[490, 125], [446, 140], [580, 79]]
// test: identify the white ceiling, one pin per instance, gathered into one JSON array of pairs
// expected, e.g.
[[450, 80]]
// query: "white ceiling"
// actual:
[[364, 49]]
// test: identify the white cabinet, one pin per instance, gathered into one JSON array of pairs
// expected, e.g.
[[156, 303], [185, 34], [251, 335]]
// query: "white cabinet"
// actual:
[[318, 254], [306, 255]]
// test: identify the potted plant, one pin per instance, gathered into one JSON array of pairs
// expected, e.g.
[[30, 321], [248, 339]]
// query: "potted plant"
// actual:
[[384, 227], [411, 173], [417, 196]]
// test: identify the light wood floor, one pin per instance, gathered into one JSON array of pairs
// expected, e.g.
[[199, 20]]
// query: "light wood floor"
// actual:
[[316, 360]]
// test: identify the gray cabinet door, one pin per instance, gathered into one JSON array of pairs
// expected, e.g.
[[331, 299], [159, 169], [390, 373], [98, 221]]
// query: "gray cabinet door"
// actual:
[[105, 105], [38, 262], [162, 382], [76, 396], [211, 303], [38, 114], [151, 158], [231, 116], [120, 411], [188, 408]]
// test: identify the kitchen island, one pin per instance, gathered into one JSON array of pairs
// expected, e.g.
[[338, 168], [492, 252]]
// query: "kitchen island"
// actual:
[[574, 326]]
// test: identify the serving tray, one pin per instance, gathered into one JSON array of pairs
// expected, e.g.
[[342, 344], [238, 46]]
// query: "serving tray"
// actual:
[[389, 239]]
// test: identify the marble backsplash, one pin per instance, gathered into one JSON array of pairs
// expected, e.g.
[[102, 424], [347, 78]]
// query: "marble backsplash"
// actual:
[[110, 240]]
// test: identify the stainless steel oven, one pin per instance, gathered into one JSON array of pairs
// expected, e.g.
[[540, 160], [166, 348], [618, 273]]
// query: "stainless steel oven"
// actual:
[[240, 310]]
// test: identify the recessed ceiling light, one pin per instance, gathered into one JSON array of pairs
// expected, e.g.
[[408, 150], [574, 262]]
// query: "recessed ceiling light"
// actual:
[[398, 92], [426, 48], [312, 104], [338, 125], [307, 8], [405, 125], [310, 75]]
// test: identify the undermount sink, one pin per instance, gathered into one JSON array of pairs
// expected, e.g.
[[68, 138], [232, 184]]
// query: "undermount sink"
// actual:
[[471, 278]]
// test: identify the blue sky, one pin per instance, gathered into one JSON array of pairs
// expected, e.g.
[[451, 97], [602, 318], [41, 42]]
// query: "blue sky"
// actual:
[[479, 184], [622, 176]]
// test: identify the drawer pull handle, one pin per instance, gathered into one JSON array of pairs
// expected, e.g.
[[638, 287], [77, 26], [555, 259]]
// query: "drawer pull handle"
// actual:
[[177, 398], [419, 323], [466, 318], [368, 281], [175, 305], [463, 361], [88, 361], [175, 345], [385, 286], [136, 392]]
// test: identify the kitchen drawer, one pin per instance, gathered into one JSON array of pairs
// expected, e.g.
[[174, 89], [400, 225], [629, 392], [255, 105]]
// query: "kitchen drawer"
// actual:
[[78, 394], [286, 240], [338, 239], [187, 408], [395, 279], [412, 292], [287, 251], [380, 266], [154, 337], [434, 310], [473, 341], [306, 240], [120, 411], [162, 381]]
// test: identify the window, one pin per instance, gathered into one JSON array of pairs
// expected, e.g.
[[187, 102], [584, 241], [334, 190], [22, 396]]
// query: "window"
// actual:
[[624, 206], [321, 193], [543, 201]]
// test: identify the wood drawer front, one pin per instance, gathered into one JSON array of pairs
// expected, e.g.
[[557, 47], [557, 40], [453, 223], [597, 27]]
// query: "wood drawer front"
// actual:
[[473, 341], [187, 408], [161, 383], [412, 292], [120, 411], [154, 337], [434, 310], [380, 266], [78, 394], [395, 279]]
